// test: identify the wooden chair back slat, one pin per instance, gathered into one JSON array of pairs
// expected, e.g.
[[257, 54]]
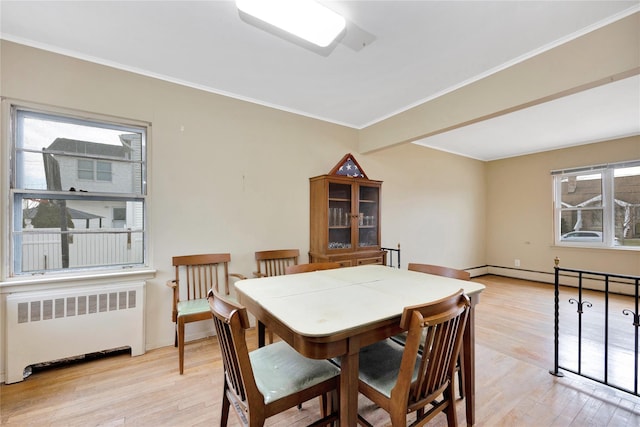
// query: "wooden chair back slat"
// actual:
[[274, 262]]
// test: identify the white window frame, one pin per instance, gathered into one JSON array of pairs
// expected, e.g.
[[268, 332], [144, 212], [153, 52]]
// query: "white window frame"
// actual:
[[607, 204], [11, 193]]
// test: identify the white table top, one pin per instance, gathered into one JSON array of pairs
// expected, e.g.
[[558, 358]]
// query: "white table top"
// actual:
[[326, 302]]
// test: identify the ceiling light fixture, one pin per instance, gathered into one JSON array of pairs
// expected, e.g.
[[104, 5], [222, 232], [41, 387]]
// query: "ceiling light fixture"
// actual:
[[306, 19]]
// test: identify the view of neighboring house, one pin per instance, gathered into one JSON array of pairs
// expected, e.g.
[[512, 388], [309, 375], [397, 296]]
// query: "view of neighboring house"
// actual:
[[586, 195], [95, 175]]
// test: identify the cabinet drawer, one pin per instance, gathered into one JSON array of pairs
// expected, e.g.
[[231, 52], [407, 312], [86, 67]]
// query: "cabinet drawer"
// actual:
[[374, 260], [345, 263]]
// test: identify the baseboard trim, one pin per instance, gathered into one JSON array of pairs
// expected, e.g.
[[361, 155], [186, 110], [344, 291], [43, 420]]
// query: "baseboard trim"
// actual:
[[596, 284]]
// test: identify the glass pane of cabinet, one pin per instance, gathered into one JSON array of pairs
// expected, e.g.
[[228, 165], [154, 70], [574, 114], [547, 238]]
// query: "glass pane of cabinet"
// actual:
[[339, 216], [368, 209]]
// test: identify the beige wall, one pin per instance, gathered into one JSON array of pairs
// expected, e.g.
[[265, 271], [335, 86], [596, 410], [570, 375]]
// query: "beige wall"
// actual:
[[230, 176], [520, 210], [433, 205]]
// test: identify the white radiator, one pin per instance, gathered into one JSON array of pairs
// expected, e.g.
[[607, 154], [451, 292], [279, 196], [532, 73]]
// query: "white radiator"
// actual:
[[43, 326]]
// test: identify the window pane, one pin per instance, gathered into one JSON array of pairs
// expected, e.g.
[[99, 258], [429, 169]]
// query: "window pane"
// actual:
[[54, 153], [85, 169], [119, 214], [368, 221], [71, 233], [627, 205], [582, 190], [103, 171], [339, 216], [586, 221]]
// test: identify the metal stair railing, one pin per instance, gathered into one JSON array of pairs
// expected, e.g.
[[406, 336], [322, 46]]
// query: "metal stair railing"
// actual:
[[583, 309]]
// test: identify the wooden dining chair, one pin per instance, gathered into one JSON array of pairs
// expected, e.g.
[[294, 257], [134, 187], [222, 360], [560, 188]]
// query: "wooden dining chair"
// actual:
[[195, 275], [315, 266], [268, 380], [439, 270], [453, 273], [274, 262], [411, 378]]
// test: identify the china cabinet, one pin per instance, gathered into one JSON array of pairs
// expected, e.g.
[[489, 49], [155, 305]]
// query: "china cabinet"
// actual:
[[345, 216]]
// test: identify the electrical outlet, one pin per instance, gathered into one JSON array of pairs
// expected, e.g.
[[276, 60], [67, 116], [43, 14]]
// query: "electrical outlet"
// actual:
[[517, 262]]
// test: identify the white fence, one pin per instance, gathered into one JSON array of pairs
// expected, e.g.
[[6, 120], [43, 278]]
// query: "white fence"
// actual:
[[42, 248]]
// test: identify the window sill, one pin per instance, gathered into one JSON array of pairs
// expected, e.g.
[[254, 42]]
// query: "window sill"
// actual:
[[35, 282]]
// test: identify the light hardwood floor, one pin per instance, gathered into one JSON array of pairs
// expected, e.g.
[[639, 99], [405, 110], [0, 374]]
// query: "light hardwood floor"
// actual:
[[514, 351]]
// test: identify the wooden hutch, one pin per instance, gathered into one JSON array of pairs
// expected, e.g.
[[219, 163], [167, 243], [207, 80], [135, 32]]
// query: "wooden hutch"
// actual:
[[345, 216]]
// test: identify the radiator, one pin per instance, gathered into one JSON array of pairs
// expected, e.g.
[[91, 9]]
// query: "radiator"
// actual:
[[43, 326]]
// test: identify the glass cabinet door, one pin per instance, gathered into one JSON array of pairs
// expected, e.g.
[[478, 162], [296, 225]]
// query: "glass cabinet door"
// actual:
[[368, 216], [339, 217]]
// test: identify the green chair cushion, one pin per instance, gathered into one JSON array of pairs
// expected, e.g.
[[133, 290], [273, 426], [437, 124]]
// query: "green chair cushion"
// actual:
[[193, 306], [280, 371], [380, 365]]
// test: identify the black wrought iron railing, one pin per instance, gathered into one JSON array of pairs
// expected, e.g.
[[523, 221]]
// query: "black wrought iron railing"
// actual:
[[393, 256], [599, 340]]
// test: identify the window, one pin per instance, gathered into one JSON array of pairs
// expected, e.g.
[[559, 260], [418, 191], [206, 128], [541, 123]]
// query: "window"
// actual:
[[119, 217], [598, 206], [77, 192], [103, 171], [86, 170]]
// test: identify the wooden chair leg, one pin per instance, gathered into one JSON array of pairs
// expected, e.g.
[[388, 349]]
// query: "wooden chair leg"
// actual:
[[181, 345], [261, 333], [324, 406], [461, 375], [450, 410], [224, 415]]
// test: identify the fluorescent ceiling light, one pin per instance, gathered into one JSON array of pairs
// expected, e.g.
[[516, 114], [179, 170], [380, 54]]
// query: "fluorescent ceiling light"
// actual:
[[306, 19]]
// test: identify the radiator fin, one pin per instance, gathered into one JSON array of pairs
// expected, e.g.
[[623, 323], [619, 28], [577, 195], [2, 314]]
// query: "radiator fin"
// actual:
[[71, 306], [35, 311], [23, 312]]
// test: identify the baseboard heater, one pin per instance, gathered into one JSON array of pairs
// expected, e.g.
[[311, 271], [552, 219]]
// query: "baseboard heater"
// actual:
[[43, 326]]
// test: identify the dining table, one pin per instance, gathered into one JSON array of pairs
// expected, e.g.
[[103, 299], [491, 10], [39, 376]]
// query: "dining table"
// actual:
[[334, 313]]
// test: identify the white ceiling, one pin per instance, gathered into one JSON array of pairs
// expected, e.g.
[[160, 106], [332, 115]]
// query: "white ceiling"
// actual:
[[420, 50]]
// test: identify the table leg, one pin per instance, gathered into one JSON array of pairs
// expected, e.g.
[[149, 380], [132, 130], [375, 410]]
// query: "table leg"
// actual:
[[349, 386], [469, 357]]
